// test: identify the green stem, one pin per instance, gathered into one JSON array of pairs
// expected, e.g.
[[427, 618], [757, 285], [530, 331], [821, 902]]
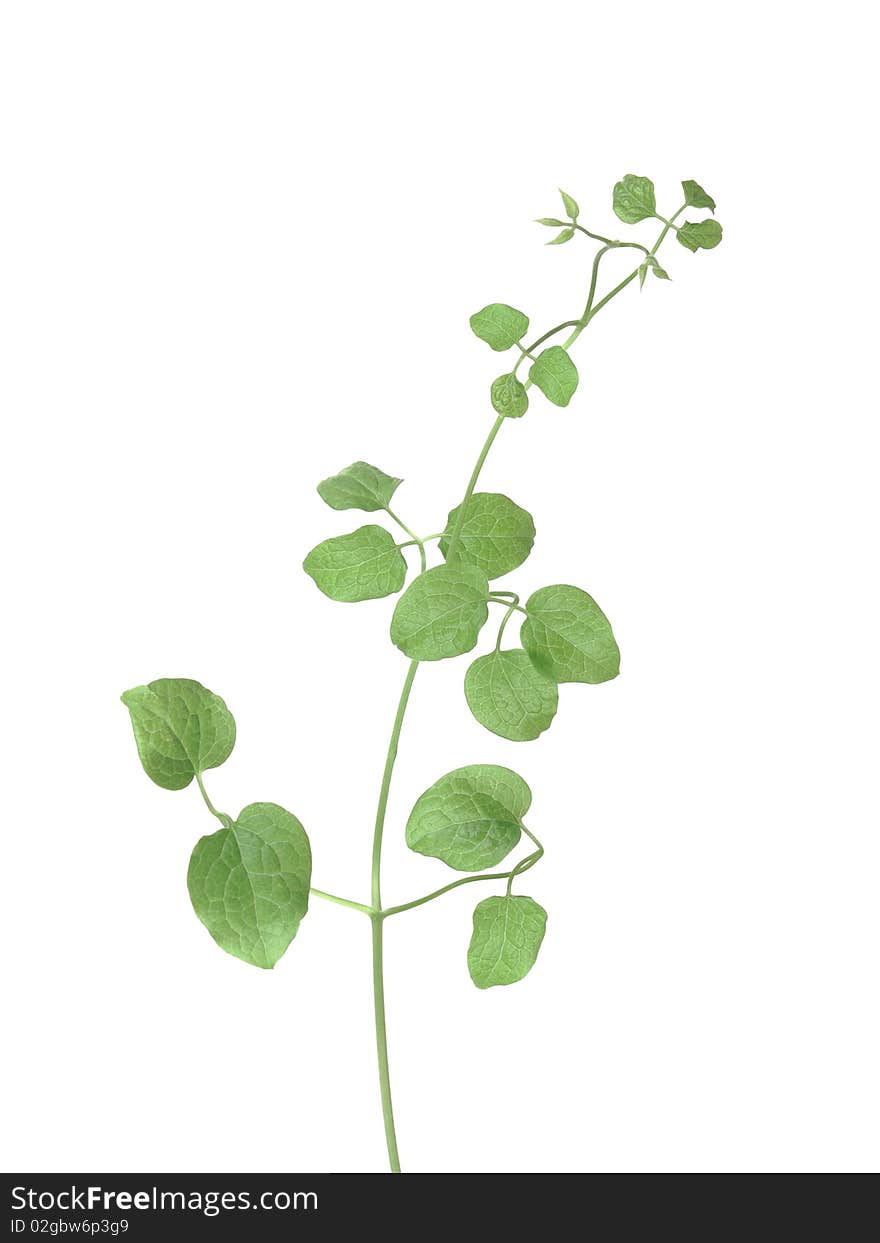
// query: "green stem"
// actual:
[[472, 483], [331, 897], [528, 862], [505, 619], [376, 899], [382, 1043], [378, 916], [225, 820]]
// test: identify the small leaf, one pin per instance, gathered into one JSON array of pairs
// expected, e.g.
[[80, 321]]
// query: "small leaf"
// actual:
[[634, 199], [510, 696], [660, 273], [499, 325], [359, 486], [643, 272], [507, 935], [555, 375], [441, 612], [249, 883], [705, 235], [569, 637], [552, 222], [565, 236], [362, 566], [509, 397], [496, 535], [696, 196], [180, 729], [570, 205], [471, 818]]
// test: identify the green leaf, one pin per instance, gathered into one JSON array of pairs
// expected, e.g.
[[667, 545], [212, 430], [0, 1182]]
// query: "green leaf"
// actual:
[[634, 199], [359, 486], [570, 205], [555, 375], [249, 883], [499, 325], [180, 729], [471, 818], [441, 612], [696, 196], [569, 637], [552, 222], [507, 935], [565, 236], [496, 535], [509, 397], [705, 235], [510, 696], [651, 262], [362, 566]]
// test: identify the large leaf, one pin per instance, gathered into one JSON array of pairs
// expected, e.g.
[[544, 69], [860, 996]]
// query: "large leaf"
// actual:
[[359, 486], [471, 818], [696, 196], [507, 935], [362, 566], [249, 883], [634, 199], [441, 612], [704, 235], [509, 397], [555, 375], [496, 535], [568, 636], [499, 325], [508, 694], [180, 729]]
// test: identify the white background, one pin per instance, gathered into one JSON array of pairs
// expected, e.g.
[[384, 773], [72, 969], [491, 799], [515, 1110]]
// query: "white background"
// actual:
[[241, 245]]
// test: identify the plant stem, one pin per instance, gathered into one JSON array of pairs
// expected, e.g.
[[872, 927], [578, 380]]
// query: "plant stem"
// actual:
[[377, 915], [528, 862], [225, 820], [331, 897], [472, 483], [376, 899], [382, 1044]]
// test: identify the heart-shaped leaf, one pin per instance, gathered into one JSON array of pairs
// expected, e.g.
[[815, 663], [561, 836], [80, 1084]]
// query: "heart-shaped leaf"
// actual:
[[249, 883], [180, 729], [555, 375], [634, 200], [568, 636], [496, 535], [362, 566], [510, 695], [509, 397], [359, 486], [507, 935], [471, 818], [441, 612], [499, 325]]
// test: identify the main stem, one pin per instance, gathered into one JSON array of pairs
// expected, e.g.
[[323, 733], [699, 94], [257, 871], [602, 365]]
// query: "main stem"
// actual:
[[378, 921], [377, 915]]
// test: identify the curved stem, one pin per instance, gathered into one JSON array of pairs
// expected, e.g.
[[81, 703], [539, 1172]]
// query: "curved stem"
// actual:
[[331, 897], [225, 820], [528, 862], [505, 619], [472, 483]]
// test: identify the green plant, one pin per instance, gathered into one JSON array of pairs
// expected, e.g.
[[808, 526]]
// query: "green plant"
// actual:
[[250, 881]]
